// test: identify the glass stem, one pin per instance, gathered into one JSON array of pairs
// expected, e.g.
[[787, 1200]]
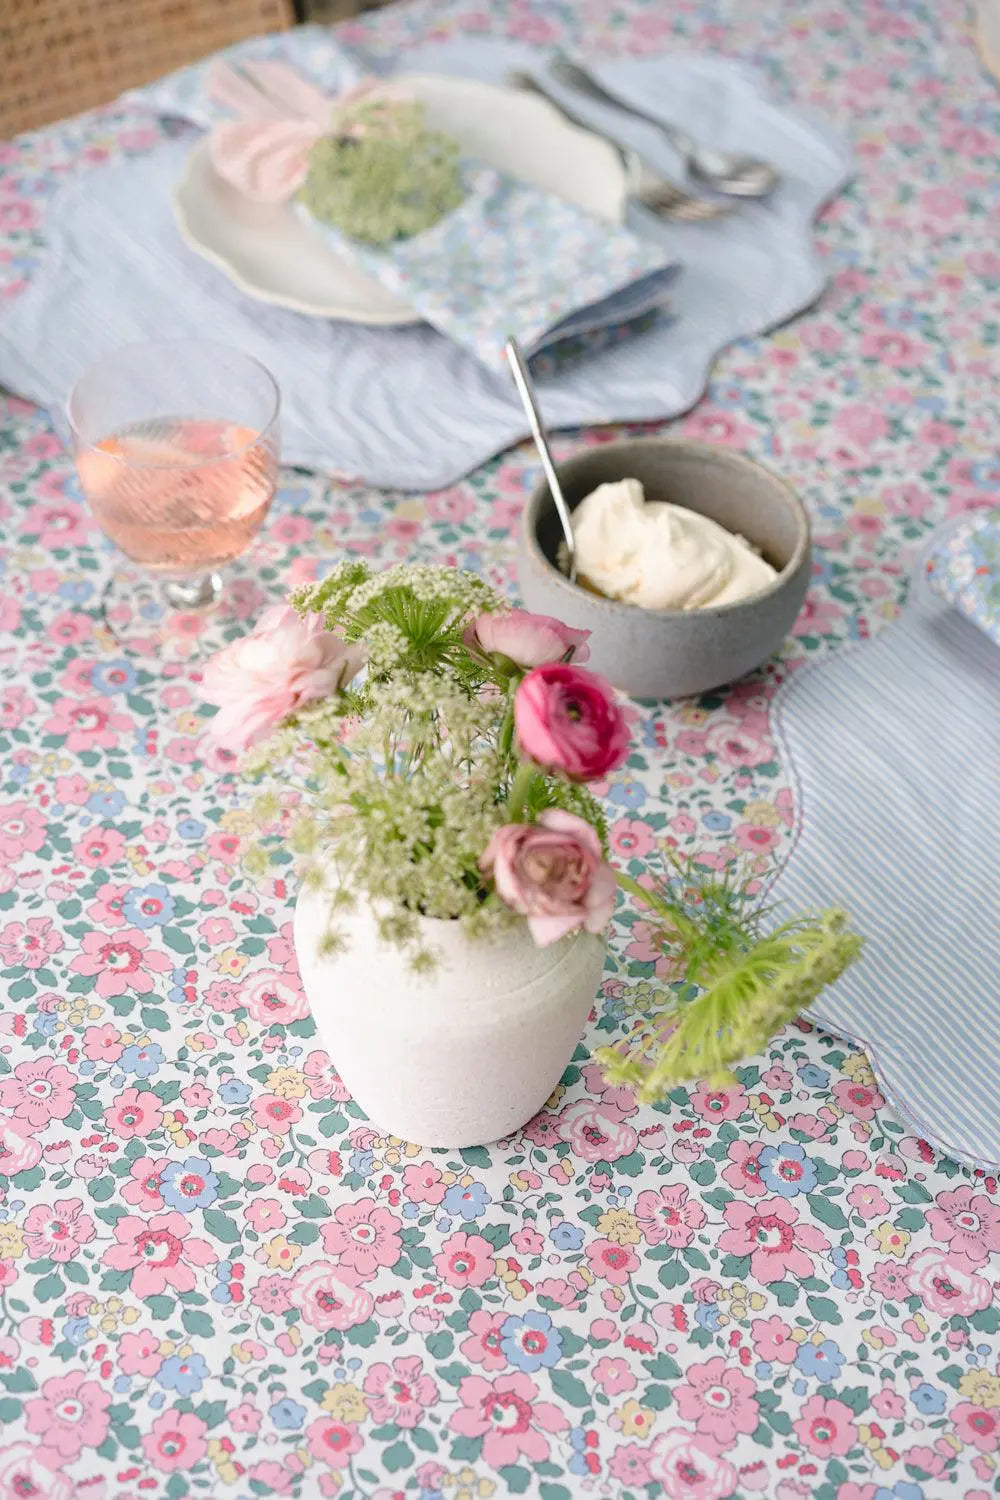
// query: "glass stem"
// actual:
[[193, 593]]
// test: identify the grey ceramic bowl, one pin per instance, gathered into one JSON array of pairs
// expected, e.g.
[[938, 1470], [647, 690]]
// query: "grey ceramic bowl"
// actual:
[[674, 653]]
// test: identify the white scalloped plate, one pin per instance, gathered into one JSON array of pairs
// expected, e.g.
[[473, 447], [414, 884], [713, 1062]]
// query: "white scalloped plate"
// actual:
[[271, 254]]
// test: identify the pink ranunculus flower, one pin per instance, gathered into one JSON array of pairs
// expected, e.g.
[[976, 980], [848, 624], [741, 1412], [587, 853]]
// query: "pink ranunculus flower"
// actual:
[[23, 1472], [967, 1222], [484, 1345], [668, 1216], [946, 1284], [329, 1296], [826, 1427], [19, 1151], [568, 720], [285, 663], [177, 1441], [69, 1415], [552, 873], [687, 1470], [363, 1237], [401, 1393], [506, 1415], [719, 1400], [771, 1233], [596, 1131], [528, 640], [58, 1230], [465, 1260], [38, 1092], [159, 1252], [271, 996]]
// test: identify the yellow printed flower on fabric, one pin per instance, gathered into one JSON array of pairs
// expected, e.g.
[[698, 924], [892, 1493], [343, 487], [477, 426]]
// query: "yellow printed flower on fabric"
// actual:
[[230, 962], [287, 1083], [980, 1387], [635, 1420], [891, 1241], [345, 1402], [281, 1253], [11, 1242], [858, 1068], [762, 814], [619, 1226]]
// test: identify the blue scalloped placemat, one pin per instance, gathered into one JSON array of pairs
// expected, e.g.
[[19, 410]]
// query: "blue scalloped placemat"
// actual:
[[895, 749]]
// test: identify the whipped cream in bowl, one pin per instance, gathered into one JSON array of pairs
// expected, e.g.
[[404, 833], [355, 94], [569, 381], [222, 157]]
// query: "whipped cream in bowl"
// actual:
[[693, 562]]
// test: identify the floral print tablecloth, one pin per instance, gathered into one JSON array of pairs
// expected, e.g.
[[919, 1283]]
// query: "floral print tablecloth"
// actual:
[[215, 1277]]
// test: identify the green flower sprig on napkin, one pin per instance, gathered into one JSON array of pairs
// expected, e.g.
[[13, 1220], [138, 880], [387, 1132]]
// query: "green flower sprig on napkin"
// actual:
[[383, 175]]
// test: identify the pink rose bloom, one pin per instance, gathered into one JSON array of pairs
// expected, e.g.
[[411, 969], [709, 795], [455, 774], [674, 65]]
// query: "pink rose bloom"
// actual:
[[568, 720], [284, 664], [159, 1253], [772, 1340], [270, 996], [668, 1217], [139, 1353], [333, 1442], [596, 1132], [177, 1441], [38, 1092], [506, 1415], [528, 640], [19, 1151], [400, 1394], [484, 1343], [70, 1414], [772, 1235], [967, 1222], [58, 1230], [946, 1285], [552, 872], [24, 1473], [826, 1427], [363, 1237], [688, 1471], [465, 1260], [719, 1401], [328, 1296]]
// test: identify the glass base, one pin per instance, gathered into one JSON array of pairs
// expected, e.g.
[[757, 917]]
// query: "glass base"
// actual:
[[179, 620]]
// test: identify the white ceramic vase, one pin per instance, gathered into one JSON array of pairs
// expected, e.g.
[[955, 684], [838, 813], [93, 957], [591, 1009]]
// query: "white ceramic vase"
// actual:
[[463, 1055]]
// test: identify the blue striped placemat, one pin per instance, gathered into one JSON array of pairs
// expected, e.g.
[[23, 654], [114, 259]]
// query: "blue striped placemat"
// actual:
[[894, 746]]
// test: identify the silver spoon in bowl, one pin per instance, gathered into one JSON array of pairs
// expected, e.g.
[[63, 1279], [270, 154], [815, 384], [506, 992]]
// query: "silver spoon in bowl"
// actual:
[[526, 391], [730, 172]]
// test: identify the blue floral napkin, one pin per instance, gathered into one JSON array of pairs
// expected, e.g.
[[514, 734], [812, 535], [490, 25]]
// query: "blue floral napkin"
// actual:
[[512, 259], [966, 570]]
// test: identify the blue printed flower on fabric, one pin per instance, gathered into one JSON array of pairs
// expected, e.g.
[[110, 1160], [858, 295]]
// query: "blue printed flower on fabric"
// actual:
[[190, 1184], [190, 828], [707, 1316], [141, 1062], [148, 906], [466, 1202], [106, 804], [566, 1236], [234, 1091], [903, 1490], [929, 1400], [814, 1077], [786, 1170], [185, 1376], [530, 1342], [630, 794], [112, 677], [823, 1361], [76, 1331], [287, 1414]]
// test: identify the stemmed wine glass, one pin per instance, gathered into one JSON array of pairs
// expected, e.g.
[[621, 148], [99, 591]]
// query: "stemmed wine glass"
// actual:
[[176, 445]]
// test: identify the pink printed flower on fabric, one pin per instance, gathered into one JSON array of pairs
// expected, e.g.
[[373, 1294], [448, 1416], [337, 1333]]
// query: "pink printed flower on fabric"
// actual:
[[528, 640], [69, 1415], [772, 1340], [668, 1216], [329, 1296], [159, 1252], [333, 1442], [58, 1230], [29, 943], [177, 1441], [260, 679], [484, 1345], [270, 997], [596, 1131], [979, 1425], [946, 1285], [615, 1263], [135, 1112], [401, 1393], [465, 1260], [506, 1415], [719, 1400], [826, 1427], [553, 873], [689, 1471], [363, 1237], [967, 1222], [139, 1353], [19, 1151], [38, 1092], [22, 830], [568, 720], [121, 962], [771, 1233], [743, 1173], [25, 1476]]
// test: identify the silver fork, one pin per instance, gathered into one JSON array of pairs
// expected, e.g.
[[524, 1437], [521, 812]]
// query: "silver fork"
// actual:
[[665, 199]]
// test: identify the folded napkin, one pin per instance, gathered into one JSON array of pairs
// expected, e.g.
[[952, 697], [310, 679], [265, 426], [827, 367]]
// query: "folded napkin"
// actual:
[[965, 569]]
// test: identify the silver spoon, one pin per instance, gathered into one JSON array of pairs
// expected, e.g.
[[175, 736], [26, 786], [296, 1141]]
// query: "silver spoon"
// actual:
[[526, 391], [730, 172]]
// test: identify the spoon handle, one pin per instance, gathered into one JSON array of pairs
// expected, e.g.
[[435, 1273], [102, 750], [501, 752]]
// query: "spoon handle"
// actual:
[[570, 73], [526, 391]]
